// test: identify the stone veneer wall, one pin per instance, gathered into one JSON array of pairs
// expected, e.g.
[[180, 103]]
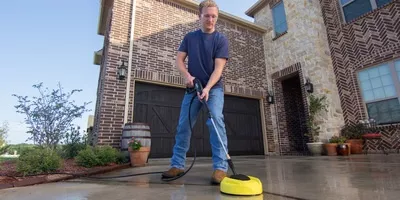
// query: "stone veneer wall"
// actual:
[[304, 46], [159, 28]]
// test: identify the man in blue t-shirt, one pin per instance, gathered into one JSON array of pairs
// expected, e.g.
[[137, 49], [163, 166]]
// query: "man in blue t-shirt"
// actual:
[[207, 52]]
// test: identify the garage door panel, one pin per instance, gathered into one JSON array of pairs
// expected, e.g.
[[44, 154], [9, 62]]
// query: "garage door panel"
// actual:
[[158, 146], [164, 120], [160, 107], [242, 125]]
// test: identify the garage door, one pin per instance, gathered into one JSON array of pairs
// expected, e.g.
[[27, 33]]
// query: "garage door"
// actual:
[[159, 106]]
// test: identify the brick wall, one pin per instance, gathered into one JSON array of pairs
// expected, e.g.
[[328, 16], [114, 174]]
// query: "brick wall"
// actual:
[[159, 28], [369, 40]]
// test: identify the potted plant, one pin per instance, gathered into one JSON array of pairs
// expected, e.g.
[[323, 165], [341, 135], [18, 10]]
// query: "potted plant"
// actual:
[[343, 148], [330, 147], [138, 153], [354, 133], [316, 105]]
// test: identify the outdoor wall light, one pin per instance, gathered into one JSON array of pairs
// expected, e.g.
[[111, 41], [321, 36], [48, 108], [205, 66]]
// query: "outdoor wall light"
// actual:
[[122, 70], [270, 98], [309, 86]]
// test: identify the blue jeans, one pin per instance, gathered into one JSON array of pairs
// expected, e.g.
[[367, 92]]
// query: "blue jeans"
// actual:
[[182, 138]]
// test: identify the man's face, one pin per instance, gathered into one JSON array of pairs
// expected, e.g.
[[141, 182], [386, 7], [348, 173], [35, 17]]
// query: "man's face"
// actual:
[[208, 18]]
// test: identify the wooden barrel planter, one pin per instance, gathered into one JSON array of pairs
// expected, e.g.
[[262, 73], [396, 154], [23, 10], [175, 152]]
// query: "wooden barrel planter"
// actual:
[[141, 132]]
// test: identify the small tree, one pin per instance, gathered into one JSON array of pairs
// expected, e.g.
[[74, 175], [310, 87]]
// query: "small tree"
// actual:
[[50, 116], [316, 105]]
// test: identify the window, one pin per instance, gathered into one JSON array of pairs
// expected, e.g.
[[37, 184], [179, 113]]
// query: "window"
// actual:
[[380, 87], [279, 18], [355, 8]]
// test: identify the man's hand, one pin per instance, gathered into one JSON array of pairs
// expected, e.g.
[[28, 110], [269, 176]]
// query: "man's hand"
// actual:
[[204, 94], [189, 81]]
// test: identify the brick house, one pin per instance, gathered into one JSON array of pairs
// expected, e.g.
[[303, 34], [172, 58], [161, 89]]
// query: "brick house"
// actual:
[[287, 44], [364, 39], [339, 45]]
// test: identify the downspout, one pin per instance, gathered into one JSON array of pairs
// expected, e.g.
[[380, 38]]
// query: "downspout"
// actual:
[[128, 81]]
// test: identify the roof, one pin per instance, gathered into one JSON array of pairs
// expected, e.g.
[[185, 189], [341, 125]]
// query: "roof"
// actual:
[[256, 7], [106, 4]]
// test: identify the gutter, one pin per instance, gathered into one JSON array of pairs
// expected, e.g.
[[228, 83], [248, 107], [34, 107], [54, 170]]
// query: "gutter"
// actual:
[[128, 81]]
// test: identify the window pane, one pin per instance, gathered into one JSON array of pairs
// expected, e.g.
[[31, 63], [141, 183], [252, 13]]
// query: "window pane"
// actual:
[[380, 3], [390, 91], [366, 85], [373, 72], [368, 95], [376, 82], [379, 93], [364, 75], [281, 28], [279, 18], [379, 80], [387, 80], [356, 9], [384, 69], [387, 111]]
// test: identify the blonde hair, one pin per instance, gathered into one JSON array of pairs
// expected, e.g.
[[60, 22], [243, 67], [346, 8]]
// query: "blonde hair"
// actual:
[[206, 4]]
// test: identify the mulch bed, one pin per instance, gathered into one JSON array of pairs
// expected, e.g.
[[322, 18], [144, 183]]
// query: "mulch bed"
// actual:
[[9, 177]]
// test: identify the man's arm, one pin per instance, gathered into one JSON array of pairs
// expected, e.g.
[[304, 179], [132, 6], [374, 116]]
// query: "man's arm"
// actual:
[[217, 73], [180, 63]]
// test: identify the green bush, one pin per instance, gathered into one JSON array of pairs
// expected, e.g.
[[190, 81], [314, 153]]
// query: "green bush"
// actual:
[[87, 158], [97, 156], [71, 150], [38, 160], [106, 154]]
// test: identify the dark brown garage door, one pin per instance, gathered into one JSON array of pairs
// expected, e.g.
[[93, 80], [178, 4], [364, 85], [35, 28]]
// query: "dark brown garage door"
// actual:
[[159, 106]]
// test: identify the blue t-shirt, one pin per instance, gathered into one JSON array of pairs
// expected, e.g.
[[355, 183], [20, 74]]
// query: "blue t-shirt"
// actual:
[[202, 49]]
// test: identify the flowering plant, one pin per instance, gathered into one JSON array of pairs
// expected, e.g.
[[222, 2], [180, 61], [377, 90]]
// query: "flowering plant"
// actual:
[[135, 144]]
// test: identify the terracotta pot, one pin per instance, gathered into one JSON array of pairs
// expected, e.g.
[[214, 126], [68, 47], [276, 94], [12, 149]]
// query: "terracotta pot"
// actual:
[[139, 157], [343, 149], [349, 146], [330, 149], [356, 145]]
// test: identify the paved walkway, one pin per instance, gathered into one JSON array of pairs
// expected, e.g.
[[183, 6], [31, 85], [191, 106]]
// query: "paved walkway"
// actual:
[[323, 178]]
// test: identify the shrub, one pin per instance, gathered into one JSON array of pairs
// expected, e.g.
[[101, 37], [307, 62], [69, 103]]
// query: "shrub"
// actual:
[[97, 156], [87, 158], [74, 143], [106, 154], [38, 160], [71, 150]]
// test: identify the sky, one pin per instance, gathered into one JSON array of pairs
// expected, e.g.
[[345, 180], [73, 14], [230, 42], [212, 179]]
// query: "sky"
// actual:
[[53, 42]]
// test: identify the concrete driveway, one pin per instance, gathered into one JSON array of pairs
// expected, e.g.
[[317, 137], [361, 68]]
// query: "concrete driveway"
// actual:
[[323, 178]]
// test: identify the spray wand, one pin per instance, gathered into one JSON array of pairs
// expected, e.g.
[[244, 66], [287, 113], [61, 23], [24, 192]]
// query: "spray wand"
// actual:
[[199, 89]]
